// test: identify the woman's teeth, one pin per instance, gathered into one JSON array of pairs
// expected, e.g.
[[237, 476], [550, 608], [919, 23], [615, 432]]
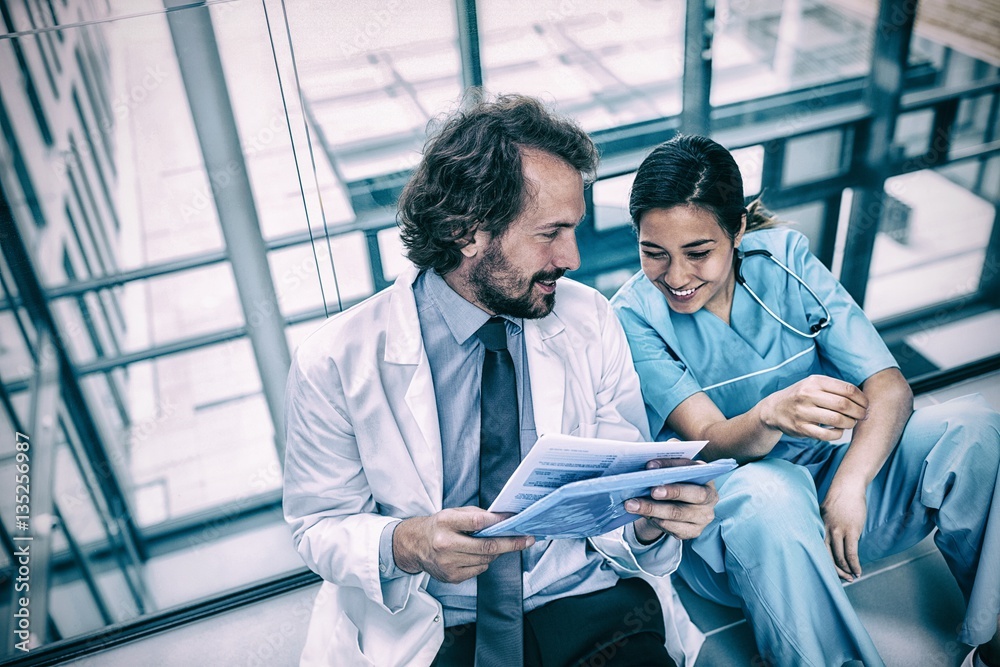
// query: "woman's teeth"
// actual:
[[685, 292]]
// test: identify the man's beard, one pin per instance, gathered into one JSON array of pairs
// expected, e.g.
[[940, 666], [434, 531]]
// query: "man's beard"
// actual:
[[498, 287]]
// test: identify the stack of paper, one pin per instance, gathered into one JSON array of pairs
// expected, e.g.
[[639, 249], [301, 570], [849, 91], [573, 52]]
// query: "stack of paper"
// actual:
[[569, 487]]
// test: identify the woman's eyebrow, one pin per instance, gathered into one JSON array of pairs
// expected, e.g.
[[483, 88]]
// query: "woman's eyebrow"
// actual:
[[695, 244]]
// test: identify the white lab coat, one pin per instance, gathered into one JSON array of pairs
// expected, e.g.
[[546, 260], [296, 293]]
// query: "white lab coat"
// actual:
[[363, 447]]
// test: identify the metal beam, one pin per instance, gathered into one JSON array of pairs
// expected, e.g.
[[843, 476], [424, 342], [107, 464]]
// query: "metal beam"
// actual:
[[33, 534], [696, 88], [468, 44], [86, 571], [989, 280], [892, 46], [212, 111]]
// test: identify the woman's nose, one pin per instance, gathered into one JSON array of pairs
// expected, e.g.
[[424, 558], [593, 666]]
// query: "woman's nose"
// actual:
[[677, 274]]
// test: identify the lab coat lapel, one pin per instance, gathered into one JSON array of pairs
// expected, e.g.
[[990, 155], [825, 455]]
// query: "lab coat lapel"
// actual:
[[404, 346], [547, 357]]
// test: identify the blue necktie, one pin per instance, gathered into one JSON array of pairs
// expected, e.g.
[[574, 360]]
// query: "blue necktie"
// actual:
[[499, 631]]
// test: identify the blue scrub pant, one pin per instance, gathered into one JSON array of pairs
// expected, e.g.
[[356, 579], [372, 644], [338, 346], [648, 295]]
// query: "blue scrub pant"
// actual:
[[765, 551]]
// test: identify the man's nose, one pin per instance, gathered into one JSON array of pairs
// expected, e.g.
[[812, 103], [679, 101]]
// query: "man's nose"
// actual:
[[568, 254]]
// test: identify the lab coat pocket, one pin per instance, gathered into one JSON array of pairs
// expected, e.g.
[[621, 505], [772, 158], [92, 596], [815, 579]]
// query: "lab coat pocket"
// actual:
[[585, 430]]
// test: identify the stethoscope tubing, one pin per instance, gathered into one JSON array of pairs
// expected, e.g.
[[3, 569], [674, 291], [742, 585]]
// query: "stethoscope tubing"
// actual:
[[815, 329]]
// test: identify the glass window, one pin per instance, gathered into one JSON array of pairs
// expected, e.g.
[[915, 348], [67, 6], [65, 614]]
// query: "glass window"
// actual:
[[372, 74], [392, 252], [112, 410], [78, 337], [808, 219], [931, 244], [297, 284], [165, 196], [750, 160], [259, 109], [201, 431], [606, 64], [16, 362], [21, 401], [74, 500], [611, 202], [180, 305], [262, 552], [765, 48], [158, 310], [116, 593], [991, 178], [971, 122], [71, 604], [8, 433], [962, 173], [813, 157], [608, 283], [913, 132]]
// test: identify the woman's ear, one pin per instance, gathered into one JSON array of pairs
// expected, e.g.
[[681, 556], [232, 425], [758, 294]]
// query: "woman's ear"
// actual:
[[743, 229]]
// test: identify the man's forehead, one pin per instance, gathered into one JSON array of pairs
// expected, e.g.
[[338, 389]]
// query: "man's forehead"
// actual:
[[536, 158]]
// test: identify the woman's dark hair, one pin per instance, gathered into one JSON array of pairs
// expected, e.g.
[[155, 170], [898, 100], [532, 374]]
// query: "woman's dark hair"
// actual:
[[470, 176], [696, 171]]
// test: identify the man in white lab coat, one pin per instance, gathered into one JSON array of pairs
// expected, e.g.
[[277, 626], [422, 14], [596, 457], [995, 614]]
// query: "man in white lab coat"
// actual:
[[384, 409]]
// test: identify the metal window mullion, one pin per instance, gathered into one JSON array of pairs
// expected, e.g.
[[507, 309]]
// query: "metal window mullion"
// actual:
[[989, 280], [113, 528], [42, 433], [696, 86], [200, 64], [774, 165], [828, 234], [375, 260], [468, 44], [988, 136], [889, 58], [86, 570]]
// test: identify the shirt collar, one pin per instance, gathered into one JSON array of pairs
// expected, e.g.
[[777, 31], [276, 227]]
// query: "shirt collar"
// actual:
[[462, 318]]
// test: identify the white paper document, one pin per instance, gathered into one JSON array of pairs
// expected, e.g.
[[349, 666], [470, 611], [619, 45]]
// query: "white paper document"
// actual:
[[557, 460], [591, 507]]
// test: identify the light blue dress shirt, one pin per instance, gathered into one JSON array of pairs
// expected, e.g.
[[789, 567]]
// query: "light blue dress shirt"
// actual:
[[552, 569]]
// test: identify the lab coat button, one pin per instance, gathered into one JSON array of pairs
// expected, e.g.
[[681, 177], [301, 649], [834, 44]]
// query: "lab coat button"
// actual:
[[437, 619]]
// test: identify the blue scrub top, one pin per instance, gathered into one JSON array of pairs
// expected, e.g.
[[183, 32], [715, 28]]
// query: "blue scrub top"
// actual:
[[677, 355]]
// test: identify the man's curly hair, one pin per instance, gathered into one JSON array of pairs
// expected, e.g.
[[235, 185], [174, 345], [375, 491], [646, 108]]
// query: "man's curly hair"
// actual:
[[471, 178]]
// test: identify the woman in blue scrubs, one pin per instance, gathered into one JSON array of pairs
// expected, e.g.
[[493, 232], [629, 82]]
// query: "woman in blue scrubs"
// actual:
[[743, 338]]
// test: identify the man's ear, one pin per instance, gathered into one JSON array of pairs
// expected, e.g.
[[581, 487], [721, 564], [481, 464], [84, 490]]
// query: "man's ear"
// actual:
[[474, 242]]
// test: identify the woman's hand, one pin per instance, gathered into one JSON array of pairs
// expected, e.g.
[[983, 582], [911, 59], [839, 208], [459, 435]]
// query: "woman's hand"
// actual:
[[818, 407], [682, 510], [844, 511]]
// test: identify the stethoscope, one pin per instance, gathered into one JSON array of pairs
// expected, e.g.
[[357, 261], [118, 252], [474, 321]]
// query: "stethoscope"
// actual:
[[816, 328]]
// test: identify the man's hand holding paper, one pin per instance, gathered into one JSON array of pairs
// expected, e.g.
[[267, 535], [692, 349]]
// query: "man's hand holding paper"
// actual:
[[441, 544]]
